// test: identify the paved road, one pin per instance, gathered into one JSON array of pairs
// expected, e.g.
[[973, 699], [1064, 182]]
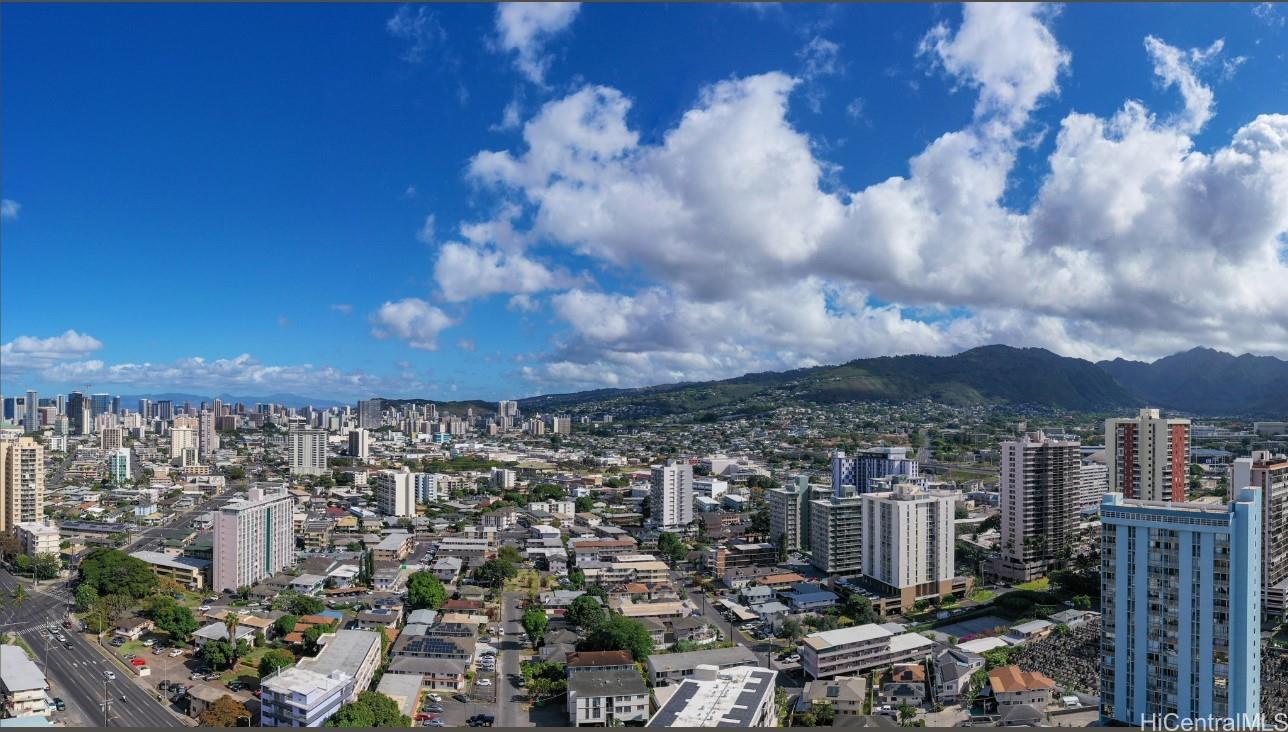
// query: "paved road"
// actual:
[[177, 527], [76, 674], [510, 709]]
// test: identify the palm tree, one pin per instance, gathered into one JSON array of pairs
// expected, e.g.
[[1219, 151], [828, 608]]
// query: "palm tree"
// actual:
[[906, 714], [231, 621]]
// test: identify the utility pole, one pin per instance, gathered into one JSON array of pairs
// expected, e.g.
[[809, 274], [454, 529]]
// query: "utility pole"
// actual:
[[107, 703]]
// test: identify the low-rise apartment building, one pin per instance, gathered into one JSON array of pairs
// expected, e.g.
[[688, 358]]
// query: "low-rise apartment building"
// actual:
[[607, 698], [850, 651], [298, 697], [712, 697]]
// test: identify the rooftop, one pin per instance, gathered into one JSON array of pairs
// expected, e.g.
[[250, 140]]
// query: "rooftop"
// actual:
[[624, 682], [345, 652], [666, 662], [714, 698], [1007, 679], [18, 672], [826, 639]]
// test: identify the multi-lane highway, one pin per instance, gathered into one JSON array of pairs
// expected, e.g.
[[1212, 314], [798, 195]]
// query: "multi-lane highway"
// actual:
[[78, 674]]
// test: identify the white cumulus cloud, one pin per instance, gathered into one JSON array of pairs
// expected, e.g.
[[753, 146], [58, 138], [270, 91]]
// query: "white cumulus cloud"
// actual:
[[410, 319], [524, 28]]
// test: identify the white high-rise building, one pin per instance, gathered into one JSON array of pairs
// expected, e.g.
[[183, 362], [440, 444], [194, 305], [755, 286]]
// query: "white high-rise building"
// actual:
[[507, 408], [359, 443], [503, 479], [851, 475], [789, 512], [22, 482], [306, 450], [253, 537], [429, 488], [118, 465], [560, 425], [1039, 486], [395, 492], [908, 539], [1181, 610], [1093, 482], [1148, 456], [671, 497], [182, 438], [836, 534]]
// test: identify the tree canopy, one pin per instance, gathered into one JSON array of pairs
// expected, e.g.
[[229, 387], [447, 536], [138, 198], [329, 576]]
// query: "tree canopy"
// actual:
[[223, 713], [494, 572], [370, 709], [424, 590], [586, 612], [619, 633], [273, 660], [534, 622], [113, 571], [173, 618]]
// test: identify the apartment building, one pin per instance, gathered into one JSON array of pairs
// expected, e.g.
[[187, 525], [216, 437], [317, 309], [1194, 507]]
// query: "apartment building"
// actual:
[[1040, 483], [298, 697], [1148, 456], [1180, 609], [854, 475], [38, 538], [187, 571], [306, 450], [1269, 474], [715, 697], [253, 537], [855, 650], [352, 654], [395, 493], [671, 496], [22, 482], [836, 535], [607, 698], [789, 512]]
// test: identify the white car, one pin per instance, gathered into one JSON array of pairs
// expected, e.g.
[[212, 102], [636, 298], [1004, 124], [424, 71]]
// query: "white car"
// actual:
[[109, 675], [434, 697], [176, 653], [483, 682], [149, 643], [204, 608], [794, 658]]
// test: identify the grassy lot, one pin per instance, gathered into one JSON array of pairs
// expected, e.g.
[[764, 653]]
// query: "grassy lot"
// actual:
[[982, 595], [1037, 585]]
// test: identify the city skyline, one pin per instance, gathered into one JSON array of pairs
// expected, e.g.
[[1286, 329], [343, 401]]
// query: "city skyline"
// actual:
[[397, 199]]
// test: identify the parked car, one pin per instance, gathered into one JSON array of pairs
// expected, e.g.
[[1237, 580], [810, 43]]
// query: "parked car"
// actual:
[[462, 698], [149, 642], [59, 704], [434, 723], [109, 675], [483, 682], [434, 697], [204, 608], [176, 653]]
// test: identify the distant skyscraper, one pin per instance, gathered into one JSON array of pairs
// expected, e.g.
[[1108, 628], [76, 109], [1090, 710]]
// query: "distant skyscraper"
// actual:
[[253, 537], [1180, 609], [60, 401], [369, 414], [1269, 474], [165, 410], [208, 437], [111, 439], [507, 408], [1039, 484], [145, 409], [560, 425], [671, 497], [1148, 456], [116, 404], [306, 449], [182, 438], [851, 475], [359, 443], [22, 482], [99, 404], [76, 413], [31, 422]]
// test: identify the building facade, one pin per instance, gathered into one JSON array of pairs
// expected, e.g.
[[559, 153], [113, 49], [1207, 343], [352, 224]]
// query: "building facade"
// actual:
[[671, 496], [1039, 488], [359, 443], [909, 541], [22, 482], [1269, 473], [1148, 456], [1181, 609], [306, 449], [395, 492], [851, 475], [253, 537], [836, 535]]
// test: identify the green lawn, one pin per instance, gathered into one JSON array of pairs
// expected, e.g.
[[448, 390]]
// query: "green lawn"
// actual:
[[1037, 585], [982, 595]]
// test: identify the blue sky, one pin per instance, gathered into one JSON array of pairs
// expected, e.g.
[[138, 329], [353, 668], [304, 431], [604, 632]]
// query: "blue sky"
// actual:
[[233, 198]]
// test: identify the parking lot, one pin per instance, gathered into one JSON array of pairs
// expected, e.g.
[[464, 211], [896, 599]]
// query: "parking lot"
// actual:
[[454, 711]]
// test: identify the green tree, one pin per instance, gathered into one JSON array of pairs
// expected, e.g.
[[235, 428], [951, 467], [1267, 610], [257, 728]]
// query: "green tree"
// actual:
[[114, 571], [86, 596], [577, 578], [219, 654], [173, 618], [534, 622], [1082, 602], [22, 564], [370, 709], [586, 612], [671, 546], [47, 566], [585, 504], [424, 590], [859, 609], [509, 554], [273, 660], [315, 632], [494, 572], [620, 633], [791, 629], [285, 624]]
